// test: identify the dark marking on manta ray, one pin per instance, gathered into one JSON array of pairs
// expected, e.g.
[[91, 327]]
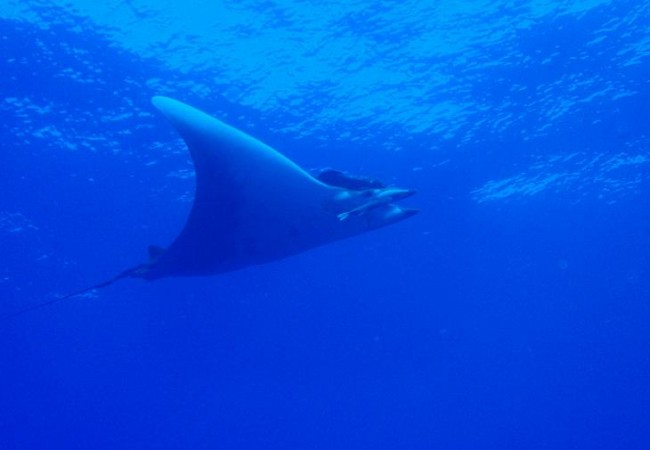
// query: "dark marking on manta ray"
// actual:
[[253, 205]]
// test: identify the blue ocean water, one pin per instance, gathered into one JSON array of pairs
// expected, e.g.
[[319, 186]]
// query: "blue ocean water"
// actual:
[[511, 313]]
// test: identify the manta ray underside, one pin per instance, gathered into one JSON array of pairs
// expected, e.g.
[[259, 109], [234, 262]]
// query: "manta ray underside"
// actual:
[[253, 205]]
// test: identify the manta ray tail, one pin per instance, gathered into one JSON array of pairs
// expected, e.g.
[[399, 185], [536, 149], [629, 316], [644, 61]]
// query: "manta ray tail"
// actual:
[[126, 274]]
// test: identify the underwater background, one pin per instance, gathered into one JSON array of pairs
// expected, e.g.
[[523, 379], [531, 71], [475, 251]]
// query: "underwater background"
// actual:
[[512, 313]]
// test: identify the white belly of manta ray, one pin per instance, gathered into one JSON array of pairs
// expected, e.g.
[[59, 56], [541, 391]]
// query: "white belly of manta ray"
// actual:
[[253, 205]]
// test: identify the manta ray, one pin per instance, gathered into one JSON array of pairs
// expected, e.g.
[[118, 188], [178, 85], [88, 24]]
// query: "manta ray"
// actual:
[[253, 205]]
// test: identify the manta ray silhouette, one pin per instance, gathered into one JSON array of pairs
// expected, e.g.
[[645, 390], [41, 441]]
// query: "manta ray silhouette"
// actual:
[[252, 205]]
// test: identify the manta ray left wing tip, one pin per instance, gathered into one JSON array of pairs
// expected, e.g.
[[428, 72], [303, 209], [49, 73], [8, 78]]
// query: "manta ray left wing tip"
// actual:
[[170, 107], [161, 102]]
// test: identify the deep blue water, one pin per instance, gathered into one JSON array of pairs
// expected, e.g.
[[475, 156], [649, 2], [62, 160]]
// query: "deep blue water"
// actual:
[[511, 313]]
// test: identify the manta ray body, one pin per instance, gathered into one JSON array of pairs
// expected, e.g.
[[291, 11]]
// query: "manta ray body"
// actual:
[[253, 205]]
